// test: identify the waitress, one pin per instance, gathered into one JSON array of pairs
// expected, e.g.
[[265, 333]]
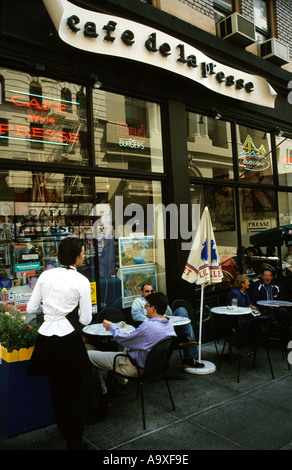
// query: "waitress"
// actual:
[[59, 352]]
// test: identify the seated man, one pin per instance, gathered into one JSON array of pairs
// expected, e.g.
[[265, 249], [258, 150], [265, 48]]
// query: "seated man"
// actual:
[[267, 289], [137, 344], [185, 333]]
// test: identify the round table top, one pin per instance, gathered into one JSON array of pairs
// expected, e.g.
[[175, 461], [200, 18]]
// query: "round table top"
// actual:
[[178, 321], [98, 329], [227, 310], [274, 303]]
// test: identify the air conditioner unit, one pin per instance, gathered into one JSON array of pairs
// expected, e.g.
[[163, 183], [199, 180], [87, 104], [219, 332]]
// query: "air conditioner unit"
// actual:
[[237, 29], [274, 51]]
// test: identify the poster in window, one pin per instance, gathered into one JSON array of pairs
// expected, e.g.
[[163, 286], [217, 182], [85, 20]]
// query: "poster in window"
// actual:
[[221, 207], [136, 251], [133, 277]]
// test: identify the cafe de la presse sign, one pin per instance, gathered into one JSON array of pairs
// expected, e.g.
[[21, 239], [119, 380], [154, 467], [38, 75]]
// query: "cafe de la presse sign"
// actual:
[[119, 37]]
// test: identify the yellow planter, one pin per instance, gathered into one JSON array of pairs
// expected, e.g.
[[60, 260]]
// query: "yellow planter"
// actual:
[[23, 354]]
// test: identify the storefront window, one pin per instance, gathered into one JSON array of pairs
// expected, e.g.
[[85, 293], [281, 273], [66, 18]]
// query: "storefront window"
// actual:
[[254, 156], [209, 147], [127, 133], [221, 204], [129, 231], [257, 211], [37, 210], [285, 218], [42, 119], [284, 160]]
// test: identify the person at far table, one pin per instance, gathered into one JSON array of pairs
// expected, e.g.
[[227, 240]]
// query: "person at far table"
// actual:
[[240, 293], [136, 345], [267, 289], [185, 333]]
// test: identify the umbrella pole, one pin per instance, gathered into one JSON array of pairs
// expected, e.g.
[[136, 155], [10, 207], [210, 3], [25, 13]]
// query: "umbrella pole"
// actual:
[[209, 367], [201, 320]]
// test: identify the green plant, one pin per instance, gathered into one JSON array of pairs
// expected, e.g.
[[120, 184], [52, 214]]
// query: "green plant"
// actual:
[[15, 333]]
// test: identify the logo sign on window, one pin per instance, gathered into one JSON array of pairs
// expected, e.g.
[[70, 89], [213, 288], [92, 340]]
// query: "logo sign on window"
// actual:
[[253, 158]]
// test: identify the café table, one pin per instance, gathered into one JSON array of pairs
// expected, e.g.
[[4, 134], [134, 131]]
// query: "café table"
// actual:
[[101, 338], [226, 310], [178, 321], [274, 303], [98, 329]]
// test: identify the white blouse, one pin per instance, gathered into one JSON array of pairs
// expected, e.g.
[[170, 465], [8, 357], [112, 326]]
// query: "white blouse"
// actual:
[[60, 290]]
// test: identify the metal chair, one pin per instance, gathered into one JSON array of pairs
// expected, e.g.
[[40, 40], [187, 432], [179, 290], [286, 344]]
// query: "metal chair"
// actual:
[[156, 368], [260, 331], [112, 314]]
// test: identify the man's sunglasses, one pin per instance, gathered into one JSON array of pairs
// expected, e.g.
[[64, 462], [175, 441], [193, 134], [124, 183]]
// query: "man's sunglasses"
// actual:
[[149, 291]]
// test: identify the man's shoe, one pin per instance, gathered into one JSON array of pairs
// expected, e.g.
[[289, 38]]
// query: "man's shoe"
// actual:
[[191, 366], [185, 341]]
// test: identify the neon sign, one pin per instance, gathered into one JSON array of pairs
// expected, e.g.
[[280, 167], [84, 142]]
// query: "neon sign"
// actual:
[[127, 135], [34, 133], [253, 158], [33, 103]]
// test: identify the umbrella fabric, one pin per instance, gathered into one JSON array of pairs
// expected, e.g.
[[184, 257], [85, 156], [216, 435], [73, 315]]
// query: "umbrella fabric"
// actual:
[[203, 264], [272, 236]]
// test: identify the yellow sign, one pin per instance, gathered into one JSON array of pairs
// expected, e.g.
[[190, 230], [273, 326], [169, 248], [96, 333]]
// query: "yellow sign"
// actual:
[[93, 292]]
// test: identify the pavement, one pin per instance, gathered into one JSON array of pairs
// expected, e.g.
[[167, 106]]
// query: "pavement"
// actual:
[[213, 412]]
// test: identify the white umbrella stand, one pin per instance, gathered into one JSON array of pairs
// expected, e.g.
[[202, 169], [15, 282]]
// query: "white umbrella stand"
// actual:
[[203, 267]]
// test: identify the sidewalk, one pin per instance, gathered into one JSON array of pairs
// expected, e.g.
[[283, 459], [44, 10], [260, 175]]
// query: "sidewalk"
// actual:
[[213, 412]]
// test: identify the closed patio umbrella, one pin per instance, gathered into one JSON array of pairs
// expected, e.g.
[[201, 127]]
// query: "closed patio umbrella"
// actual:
[[203, 267]]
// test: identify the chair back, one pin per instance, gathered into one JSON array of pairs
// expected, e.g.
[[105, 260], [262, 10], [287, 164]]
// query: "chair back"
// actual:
[[112, 314], [158, 358]]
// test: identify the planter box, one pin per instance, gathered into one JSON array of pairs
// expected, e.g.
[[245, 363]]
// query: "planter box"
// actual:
[[25, 402]]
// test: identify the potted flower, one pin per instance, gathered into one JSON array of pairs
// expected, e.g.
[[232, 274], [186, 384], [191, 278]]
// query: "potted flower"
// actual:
[[25, 401], [15, 333]]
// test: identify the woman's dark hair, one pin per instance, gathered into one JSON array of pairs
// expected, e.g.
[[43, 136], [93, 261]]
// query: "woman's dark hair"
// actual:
[[159, 301], [69, 249]]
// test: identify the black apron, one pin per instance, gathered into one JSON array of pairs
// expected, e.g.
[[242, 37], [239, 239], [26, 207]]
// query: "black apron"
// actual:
[[50, 351]]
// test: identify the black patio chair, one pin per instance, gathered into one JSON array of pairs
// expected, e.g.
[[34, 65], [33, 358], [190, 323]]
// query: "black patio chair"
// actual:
[[112, 314], [156, 368], [262, 331]]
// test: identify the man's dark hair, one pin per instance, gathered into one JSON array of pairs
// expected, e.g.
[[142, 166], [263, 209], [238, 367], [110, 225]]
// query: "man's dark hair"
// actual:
[[159, 301], [69, 249], [145, 284]]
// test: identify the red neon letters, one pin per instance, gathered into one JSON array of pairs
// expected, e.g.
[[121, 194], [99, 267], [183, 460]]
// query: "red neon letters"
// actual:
[[47, 105], [36, 133]]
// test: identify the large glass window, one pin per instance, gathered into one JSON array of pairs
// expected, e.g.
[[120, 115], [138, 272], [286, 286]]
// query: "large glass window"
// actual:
[[42, 119], [221, 204], [37, 210], [209, 147], [129, 229], [127, 133], [123, 231], [284, 160]]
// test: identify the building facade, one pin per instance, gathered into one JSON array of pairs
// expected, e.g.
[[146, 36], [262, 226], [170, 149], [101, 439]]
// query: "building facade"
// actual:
[[121, 121]]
